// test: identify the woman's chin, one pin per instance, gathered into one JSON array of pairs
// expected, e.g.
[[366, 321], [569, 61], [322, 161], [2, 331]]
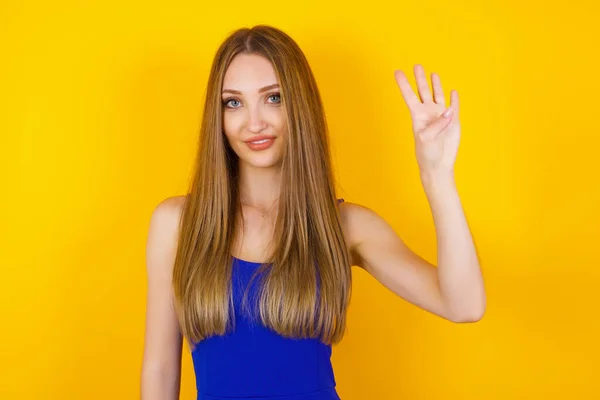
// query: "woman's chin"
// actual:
[[262, 160]]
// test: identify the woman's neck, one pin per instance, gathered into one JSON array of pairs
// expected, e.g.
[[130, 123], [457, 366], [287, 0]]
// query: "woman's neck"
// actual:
[[259, 187]]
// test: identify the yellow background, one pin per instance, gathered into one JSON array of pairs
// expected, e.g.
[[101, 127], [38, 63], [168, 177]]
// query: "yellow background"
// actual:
[[99, 113]]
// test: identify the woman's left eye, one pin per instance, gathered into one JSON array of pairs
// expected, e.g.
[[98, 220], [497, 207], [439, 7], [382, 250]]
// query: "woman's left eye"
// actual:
[[276, 96]]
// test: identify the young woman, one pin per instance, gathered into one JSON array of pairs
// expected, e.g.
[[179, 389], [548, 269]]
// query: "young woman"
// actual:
[[253, 266]]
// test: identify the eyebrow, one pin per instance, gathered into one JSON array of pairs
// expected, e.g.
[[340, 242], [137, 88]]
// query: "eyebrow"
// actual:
[[263, 89]]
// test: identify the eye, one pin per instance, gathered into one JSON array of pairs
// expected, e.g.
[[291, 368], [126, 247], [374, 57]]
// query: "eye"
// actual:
[[227, 101], [277, 97]]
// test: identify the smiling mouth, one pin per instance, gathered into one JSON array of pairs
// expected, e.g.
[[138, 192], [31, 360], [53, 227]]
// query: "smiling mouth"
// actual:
[[261, 144]]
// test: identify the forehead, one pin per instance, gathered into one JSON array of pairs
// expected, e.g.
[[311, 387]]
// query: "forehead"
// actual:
[[248, 73]]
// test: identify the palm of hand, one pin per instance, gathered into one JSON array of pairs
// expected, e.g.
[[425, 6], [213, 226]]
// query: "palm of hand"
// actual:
[[436, 137]]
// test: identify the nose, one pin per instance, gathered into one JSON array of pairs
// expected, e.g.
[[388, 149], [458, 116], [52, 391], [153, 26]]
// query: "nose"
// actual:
[[256, 120]]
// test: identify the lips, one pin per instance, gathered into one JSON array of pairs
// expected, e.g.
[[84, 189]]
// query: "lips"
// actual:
[[259, 138], [261, 142]]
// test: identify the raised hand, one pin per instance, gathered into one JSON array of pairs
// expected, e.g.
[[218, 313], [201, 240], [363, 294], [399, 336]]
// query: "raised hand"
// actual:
[[436, 127]]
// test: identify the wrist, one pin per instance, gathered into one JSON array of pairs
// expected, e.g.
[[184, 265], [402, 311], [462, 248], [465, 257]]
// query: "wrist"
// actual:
[[438, 180]]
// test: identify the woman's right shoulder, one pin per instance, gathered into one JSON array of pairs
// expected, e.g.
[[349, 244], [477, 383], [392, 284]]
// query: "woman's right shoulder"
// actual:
[[169, 210], [169, 207], [164, 224]]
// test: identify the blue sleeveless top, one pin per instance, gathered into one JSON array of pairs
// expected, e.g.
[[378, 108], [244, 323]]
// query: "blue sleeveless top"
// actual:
[[254, 362]]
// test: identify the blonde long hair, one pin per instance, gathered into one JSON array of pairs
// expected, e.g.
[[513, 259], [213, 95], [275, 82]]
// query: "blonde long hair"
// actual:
[[305, 288]]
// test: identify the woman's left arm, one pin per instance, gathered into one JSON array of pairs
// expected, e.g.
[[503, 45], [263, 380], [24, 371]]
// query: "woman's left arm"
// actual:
[[454, 289]]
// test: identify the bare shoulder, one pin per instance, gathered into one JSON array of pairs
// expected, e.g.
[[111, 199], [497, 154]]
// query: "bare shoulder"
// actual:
[[357, 221], [163, 230], [354, 216], [168, 211], [170, 206]]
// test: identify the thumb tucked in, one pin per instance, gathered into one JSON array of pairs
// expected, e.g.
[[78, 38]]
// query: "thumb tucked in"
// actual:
[[437, 126]]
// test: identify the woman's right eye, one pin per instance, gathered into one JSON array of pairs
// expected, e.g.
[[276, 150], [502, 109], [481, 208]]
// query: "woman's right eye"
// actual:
[[227, 102]]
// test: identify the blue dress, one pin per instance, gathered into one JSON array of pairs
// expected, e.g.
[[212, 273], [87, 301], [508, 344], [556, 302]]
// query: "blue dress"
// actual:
[[254, 362]]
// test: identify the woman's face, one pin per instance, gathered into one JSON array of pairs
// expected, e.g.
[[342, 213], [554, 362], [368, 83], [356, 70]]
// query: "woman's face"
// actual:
[[253, 116]]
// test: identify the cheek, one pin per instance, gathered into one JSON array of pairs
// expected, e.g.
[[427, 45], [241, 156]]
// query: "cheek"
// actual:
[[231, 128], [279, 123], [228, 124]]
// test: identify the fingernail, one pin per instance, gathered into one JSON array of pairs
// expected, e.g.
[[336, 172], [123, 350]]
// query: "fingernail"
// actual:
[[448, 112]]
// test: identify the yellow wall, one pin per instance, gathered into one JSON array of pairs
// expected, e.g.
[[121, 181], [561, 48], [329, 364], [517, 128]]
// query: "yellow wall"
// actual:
[[99, 113]]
